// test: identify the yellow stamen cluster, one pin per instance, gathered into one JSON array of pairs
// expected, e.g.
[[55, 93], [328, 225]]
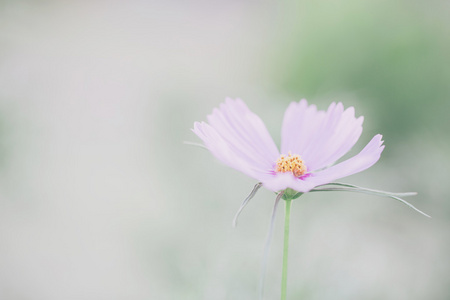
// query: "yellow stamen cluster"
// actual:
[[291, 163]]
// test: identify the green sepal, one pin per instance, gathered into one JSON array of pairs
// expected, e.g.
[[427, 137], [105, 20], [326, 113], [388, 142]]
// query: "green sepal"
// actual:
[[290, 194]]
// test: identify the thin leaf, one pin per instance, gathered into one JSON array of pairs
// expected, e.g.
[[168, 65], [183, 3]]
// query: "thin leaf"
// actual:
[[370, 192], [195, 144], [250, 196]]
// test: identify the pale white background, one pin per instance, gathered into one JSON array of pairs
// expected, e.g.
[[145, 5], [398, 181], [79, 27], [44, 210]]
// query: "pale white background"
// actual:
[[100, 198]]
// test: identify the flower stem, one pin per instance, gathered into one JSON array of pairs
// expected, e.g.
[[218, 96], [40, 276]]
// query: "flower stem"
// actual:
[[285, 249]]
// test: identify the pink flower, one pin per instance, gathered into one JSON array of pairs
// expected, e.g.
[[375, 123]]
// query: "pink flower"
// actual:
[[311, 142]]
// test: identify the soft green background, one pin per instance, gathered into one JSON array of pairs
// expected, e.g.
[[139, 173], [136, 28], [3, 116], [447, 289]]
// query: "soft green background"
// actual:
[[100, 198]]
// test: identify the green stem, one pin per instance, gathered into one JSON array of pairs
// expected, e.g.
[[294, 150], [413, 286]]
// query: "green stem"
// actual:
[[285, 249]]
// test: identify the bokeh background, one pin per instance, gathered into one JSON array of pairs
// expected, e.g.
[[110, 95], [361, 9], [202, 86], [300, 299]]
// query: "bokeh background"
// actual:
[[100, 198]]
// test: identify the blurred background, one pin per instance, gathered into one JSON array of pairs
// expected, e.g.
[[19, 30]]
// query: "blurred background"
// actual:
[[100, 198]]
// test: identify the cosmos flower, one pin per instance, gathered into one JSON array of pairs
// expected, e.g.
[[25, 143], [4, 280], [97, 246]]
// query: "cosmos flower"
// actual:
[[312, 141]]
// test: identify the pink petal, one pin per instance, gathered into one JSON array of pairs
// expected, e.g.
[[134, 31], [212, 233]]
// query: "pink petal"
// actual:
[[319, 137], [300, 126], [360, 162], [281, 181], [238, 138], [343, 136]]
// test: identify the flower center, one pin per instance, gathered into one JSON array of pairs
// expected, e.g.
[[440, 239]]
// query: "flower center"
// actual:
[[291, 163]]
